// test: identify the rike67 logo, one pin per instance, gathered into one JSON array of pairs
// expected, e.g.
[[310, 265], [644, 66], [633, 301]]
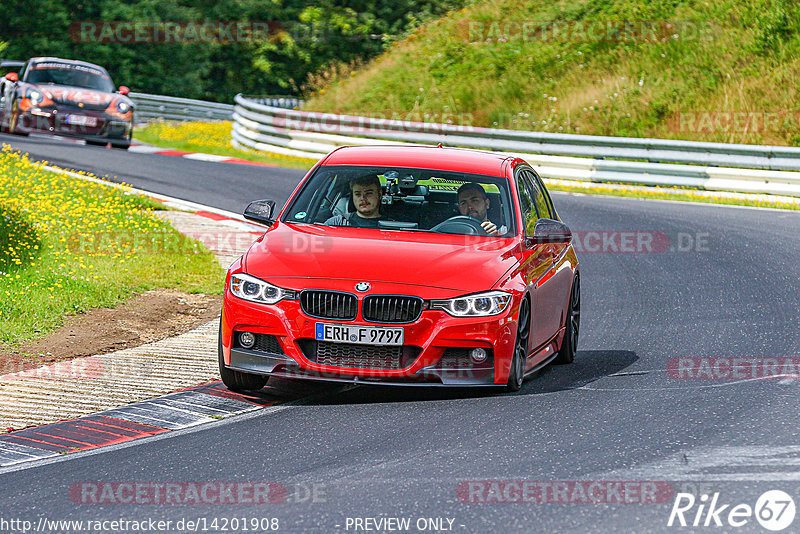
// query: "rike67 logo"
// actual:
[[774, 510]]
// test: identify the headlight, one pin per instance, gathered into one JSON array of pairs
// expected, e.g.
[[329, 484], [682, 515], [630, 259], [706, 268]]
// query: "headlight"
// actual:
[[36, 97], [251, 288], [479, 305], [123, 107]]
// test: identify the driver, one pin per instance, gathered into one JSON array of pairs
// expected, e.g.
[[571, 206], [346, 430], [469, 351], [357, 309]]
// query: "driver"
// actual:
[[473, 202], [366, 191]]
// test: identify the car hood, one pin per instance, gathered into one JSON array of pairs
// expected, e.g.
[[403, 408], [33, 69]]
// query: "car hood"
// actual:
[[291, 254], [64, 94]]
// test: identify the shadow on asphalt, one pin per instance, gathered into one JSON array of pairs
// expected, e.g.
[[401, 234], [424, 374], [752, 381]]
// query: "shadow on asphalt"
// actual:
[[589, 365]]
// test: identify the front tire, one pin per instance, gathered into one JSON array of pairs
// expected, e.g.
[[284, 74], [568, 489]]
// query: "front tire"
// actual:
[[237, 380], [570, 344], [518, 362]]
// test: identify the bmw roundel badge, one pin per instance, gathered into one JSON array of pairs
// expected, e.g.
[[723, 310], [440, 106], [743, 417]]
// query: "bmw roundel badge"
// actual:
[[362, 286]]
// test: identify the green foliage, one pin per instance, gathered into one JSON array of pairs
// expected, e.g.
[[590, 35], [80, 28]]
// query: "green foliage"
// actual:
[[681, 56], [305, 37], [773, 27]]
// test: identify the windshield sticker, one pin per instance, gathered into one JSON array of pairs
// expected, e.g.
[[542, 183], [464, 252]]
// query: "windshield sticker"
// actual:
[[446, 184], [67, 66]]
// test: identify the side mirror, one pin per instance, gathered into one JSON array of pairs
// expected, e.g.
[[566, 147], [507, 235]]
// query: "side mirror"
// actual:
[[123, 90], [12, 77], [549, 231], [260, 211]]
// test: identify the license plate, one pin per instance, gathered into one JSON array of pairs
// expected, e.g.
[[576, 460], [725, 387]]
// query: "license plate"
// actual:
[[80, 120], [363, 335]]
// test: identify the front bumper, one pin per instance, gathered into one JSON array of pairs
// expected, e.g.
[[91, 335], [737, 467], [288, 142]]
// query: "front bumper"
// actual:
[[440, 344], [53, 120], [286, 367]]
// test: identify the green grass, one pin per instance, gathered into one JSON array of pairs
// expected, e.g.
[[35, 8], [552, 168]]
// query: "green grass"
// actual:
[[469, 67], [68, 245], [210, 138]]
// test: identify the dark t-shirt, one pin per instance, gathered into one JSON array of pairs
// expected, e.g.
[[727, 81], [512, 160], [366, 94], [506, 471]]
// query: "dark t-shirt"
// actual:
[[354, 220]]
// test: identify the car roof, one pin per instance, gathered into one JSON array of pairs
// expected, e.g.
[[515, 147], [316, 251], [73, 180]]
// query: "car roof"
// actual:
[[68, 61], [425, 157]]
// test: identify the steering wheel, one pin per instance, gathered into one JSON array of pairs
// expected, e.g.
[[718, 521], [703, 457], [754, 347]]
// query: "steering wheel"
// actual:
[[460, 224]]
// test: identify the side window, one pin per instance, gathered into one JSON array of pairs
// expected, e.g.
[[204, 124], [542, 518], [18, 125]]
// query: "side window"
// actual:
[[545, 194], [538, 197], [526, 202]]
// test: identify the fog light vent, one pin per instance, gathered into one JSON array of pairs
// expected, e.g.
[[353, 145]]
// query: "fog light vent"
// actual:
[[478, 355], [247, 340]]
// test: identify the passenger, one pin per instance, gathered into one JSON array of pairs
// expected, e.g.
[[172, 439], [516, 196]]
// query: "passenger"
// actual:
[[473, 202], [366, 191]]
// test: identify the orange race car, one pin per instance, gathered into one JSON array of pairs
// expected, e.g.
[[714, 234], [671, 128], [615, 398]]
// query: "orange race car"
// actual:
[[68, 98]]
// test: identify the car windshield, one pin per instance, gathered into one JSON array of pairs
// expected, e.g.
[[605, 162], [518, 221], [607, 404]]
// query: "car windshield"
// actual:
[[72, 75], [394, 198]]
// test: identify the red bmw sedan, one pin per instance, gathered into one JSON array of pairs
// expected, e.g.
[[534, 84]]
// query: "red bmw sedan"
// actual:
[[405, 266]]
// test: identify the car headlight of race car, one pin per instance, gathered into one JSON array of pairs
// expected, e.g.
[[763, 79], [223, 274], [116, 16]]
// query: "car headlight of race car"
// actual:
[[36, 97], [123, 107], [478, 305], [253, 289]]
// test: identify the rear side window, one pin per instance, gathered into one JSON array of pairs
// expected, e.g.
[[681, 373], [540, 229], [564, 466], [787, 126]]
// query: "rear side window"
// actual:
[[538, 181], [539, 200], [526, 202]]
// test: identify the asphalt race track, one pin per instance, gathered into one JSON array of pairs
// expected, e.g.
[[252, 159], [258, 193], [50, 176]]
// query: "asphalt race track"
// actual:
[[714, 282]]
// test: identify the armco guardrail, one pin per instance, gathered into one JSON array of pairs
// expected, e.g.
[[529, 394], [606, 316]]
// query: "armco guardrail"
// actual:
[[714, 166], [170, 108], [276, 101]]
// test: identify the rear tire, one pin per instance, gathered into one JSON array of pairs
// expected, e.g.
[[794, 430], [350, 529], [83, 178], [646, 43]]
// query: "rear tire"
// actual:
[[121, 146], [237, 380], [96, 143], [518, 362], [570, 344]]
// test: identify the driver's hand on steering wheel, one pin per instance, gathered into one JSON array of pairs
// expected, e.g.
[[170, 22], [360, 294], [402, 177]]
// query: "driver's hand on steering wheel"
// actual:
[[490, 228]]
